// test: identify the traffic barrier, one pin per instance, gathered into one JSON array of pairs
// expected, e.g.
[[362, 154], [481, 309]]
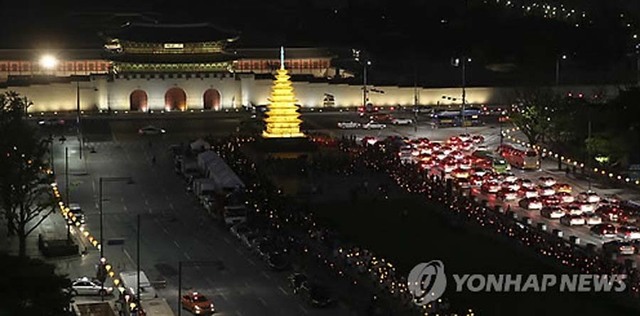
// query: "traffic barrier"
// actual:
[[574, 240], [542, 227], [558, 233]]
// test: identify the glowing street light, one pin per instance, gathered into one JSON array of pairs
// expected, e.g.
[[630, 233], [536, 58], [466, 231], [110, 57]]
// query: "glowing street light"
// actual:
[[48, 62]]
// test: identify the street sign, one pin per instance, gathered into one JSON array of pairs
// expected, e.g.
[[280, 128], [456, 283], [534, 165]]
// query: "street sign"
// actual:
[[115, 242]]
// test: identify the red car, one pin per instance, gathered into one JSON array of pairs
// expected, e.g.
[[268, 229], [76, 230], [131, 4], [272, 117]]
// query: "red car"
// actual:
[[550, 200], [197, 304]]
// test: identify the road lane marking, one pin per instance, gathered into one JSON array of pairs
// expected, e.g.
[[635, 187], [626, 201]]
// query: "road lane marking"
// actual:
[[304, 310], [146, 202], [262, 301], [124, 207], [176, 243], [128, 255], [165, 230], [282, 290], [266, 275], [171, 206], [238, 250], [251, 261], [186, 255], [226, 240], [238, 313]]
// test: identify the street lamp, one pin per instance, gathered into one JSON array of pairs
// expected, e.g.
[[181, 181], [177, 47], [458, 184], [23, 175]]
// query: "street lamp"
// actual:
[[563, 57], [127, 180], [48, 62], [463, 63]]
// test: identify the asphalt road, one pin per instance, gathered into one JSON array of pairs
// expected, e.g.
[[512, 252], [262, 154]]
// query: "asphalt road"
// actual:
[[175, 228]]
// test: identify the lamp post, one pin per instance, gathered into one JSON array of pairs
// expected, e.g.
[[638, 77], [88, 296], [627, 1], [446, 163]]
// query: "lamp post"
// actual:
[[78, 117], [365, 90], [128, 180], [66, 186], [462, 62], [563, 57]]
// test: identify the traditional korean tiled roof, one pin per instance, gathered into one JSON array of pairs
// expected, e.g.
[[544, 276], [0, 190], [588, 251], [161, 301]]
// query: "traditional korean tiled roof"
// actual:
[[175, 33]]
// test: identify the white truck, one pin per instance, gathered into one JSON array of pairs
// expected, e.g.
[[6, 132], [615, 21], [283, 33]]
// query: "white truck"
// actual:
[[129, 282]]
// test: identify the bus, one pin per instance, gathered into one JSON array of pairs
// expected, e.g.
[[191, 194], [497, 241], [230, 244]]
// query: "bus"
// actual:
[[487, 159], [520, 157], [453, 118]]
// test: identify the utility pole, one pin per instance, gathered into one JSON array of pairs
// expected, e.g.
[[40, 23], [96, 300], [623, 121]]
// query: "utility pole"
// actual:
[[138, 263], [464, 91], [364, 86], [179, 288], [79, 130], [66, 186]]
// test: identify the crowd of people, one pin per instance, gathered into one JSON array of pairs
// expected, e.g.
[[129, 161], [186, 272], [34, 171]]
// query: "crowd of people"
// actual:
[[377, 275]]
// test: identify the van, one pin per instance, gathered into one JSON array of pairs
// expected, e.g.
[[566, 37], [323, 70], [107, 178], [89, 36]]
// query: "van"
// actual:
[[129, 282]]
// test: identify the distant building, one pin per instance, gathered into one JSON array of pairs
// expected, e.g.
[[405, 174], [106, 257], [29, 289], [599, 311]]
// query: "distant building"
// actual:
[[178, 67]]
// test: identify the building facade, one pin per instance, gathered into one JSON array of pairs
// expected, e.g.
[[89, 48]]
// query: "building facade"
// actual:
[[155, 67]]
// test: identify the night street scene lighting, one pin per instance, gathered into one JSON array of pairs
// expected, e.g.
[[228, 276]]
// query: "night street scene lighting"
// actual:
[[342, 157]]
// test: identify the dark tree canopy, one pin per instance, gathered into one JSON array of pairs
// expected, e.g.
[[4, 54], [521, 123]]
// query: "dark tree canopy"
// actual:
[[31, 287]]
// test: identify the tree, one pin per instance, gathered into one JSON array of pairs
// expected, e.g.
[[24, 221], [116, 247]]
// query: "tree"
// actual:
[[26, 197], [535, 113], [32, 288]]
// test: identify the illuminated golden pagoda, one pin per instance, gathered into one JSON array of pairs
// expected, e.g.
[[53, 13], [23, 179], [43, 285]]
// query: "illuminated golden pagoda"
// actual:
[[283, 119]]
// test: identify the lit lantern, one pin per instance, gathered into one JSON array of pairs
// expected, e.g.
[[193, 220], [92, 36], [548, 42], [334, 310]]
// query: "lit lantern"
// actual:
[[283, 119]]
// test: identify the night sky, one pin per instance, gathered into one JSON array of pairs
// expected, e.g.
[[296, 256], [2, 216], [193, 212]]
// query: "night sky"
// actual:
[[400, 36]]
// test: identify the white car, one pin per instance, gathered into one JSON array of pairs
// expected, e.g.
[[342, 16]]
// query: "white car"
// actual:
[[374, 125], [401, 121], [546, 191], [547, 181], [530, 204], [151, 130], [589, 197], [629, 232], [349, 125], [509, 177], [464, 137], [552, 212], [482, 148], [572, 220], [86, 286], [593, 219], [511, 186], [573, 209], [526, 183], [565, 197]]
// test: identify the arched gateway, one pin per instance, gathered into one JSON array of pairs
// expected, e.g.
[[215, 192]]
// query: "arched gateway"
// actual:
[[175, 100], [211, 99], [138, 101]]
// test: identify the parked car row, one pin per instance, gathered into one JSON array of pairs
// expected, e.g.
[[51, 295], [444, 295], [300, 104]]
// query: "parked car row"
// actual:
[[367, 125]]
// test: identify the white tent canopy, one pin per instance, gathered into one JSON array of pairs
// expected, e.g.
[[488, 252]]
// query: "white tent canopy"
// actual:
[[217, 169]]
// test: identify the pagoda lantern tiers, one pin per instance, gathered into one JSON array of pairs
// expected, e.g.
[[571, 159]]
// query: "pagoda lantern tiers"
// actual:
[[283, 119]]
